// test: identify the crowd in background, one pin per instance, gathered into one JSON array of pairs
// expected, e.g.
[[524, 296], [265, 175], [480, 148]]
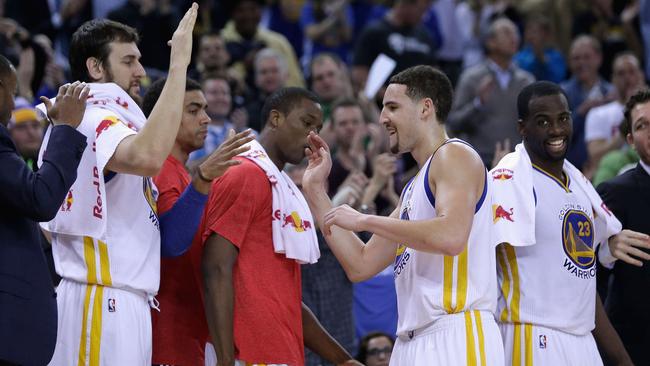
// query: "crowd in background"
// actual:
[[597, 50]]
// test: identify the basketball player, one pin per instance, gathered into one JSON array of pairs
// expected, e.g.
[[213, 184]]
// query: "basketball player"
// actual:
[[548, 306], [438, 238], [106, 239]]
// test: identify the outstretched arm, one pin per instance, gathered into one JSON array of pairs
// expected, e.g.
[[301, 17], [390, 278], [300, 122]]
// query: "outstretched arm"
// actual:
[[145, 152]]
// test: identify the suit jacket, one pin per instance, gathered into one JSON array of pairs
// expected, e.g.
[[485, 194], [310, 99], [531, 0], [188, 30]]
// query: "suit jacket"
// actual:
[[28, 315], [628, 298], [484, 125]]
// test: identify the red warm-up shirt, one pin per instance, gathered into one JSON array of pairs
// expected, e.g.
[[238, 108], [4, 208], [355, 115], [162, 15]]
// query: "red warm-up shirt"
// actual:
[[179, 330], [267, 307]]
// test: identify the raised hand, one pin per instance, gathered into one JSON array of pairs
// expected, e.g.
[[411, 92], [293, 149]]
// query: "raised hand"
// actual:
[[320, 163], [625, 246], [181, 42], [222, 158], [70, 104]]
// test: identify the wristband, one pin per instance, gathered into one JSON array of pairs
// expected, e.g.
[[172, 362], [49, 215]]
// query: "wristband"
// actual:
[[201, 176]]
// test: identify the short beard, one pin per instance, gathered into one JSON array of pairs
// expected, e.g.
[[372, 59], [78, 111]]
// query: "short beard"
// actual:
[[111, 79]]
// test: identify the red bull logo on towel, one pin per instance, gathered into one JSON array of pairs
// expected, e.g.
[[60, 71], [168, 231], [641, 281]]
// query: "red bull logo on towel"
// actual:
[[502, 174], [105, 124], [292, 220], [498, 213], [67, 203]]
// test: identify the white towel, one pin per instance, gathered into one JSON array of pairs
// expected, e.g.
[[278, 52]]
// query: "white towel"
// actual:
[[513, 192], [84, 212], [513, 200], [294, 234]]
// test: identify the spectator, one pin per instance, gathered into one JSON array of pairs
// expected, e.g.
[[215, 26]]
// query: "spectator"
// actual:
[[28, 309], [283, 16], [327, 26], [329, 80], [628, 197], [154, 21], [271, 73], [26, 131], [399, 35], [375, 349], [212, 58], [538, 56], [450, 53], [217, 94], [605, 20], [585, 90], [244, 38], [484, 105], [618, 161], [179, 331], [602, 122]]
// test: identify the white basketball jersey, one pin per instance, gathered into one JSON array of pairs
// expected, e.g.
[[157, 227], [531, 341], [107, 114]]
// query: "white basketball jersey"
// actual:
[[129, 255], [430, 286], [552, 283]]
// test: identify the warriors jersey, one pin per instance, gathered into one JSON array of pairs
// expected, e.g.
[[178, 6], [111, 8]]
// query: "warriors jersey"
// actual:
[[128, 256], [553, 282], [430, 286]]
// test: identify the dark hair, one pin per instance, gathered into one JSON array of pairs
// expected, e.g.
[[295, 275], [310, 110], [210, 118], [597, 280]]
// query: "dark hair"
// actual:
[[640, 97], [155, 89], [92, 39], [534, 90], [342, 103], [6, 67], [284, 100], [427, 82], [362, 355]]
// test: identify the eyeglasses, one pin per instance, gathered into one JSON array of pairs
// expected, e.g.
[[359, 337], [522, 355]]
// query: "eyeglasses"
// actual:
[[377, 351]]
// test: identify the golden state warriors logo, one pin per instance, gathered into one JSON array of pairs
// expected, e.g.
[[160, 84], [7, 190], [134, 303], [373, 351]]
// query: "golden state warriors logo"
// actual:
[[151, 195], [578, 243]]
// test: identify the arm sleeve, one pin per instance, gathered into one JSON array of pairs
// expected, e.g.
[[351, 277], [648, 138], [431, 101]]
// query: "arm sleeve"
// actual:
[[235, 200], [179, 224], [39, 195]]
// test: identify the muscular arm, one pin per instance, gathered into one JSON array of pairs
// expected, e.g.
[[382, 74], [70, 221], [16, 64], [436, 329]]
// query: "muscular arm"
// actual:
[[609, 343], [144, 153], [219, 257], [320, 341]]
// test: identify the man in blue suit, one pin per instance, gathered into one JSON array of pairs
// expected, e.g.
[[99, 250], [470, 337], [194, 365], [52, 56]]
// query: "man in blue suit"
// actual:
[[28, 315]]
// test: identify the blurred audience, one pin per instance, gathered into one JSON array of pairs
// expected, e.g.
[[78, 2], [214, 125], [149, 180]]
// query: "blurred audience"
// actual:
[[327, 27], [538, 56], [271, 74], [585, 89], [375, 349], [26, 130], [399, 35], [484, 111], [244, 38], [602, 122]]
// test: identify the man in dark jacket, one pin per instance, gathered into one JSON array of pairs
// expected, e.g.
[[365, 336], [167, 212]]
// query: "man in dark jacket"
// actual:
[[628, 196], [28, 315]]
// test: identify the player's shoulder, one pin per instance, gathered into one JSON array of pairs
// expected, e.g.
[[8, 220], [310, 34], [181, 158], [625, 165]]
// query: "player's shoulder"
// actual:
[[246, 172], [456, 153]]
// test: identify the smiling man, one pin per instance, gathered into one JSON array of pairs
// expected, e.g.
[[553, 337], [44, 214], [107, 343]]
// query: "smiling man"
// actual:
[[106, 239], [549, 221], [438, 237]]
